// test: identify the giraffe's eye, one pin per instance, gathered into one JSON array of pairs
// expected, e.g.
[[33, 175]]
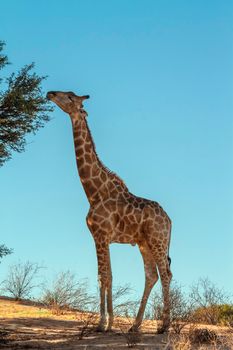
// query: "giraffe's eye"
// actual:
[[70, 99]]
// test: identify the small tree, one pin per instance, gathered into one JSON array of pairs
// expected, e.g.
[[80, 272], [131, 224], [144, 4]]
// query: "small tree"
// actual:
[[207, 299], [23, 108], [4, 251], [21, 280], [67, 292]]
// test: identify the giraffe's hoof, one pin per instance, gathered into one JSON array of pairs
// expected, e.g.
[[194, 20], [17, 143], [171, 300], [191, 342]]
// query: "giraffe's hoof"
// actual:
[[100, 328], [109, 330], [109, 326], [133, 329], [162, 329]]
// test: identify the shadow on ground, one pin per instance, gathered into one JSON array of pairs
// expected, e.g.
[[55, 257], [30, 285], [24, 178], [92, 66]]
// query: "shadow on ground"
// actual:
[[48, 333]]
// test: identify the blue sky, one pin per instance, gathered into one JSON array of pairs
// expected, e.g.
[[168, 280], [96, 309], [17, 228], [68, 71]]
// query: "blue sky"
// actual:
[[160, 77]]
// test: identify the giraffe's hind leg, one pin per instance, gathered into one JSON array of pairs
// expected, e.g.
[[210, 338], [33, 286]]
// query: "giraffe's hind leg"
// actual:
[[151, 277], [163, 264], [166, 276]]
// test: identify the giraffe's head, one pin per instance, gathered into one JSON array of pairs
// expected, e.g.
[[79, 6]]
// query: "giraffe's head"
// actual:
[[68, 102]]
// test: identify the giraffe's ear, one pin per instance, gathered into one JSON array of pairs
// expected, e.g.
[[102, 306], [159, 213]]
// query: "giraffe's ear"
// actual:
[[85, 97]]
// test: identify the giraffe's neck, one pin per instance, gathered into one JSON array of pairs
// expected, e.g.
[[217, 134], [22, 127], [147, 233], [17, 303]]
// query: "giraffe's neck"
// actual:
[[98, 182]]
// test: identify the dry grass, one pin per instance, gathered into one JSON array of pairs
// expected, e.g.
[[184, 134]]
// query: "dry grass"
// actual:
[[14, 309]]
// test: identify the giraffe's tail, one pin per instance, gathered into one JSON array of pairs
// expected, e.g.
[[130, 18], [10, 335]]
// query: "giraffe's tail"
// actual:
[[169, 241]]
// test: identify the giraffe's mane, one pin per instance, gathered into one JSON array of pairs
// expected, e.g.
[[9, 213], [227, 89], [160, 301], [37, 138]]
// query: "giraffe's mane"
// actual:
[[104, 167]]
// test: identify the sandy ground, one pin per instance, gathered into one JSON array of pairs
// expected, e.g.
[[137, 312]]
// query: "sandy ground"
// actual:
[[34, 327]]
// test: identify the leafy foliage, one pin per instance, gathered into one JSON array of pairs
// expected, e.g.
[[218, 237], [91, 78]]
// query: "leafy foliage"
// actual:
[[23, 108], [215, 314], [4, 251], [3, 58], [226, 315]]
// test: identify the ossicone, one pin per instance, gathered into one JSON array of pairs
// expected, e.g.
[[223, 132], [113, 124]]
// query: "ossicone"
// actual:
[[85, 97]]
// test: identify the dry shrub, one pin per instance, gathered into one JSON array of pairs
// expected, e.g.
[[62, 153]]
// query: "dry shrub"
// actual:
[[199, 339], [178, 325], [67, 293], [178, 342], [21, 280], [208, 302], [202, 336], [132, 338], [3, 336], [88, 322], [226, 341]]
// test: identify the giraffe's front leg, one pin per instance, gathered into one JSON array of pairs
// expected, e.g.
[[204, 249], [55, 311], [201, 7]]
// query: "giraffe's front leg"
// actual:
[[109, 300], [105, 284]]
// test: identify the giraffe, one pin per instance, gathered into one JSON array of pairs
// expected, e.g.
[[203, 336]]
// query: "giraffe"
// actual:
[[117, 216]]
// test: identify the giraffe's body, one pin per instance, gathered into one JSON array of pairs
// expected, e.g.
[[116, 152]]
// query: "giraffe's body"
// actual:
[[117, 216]]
